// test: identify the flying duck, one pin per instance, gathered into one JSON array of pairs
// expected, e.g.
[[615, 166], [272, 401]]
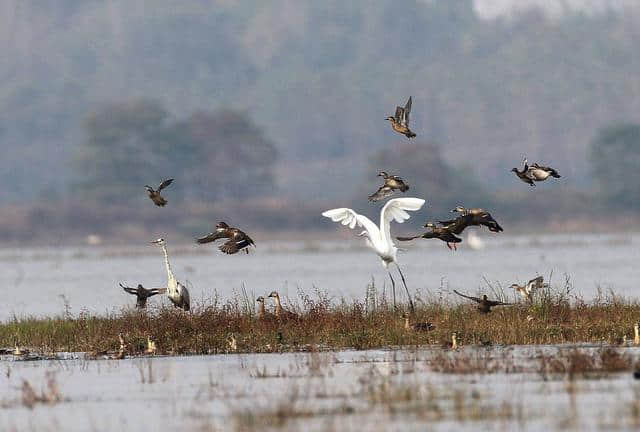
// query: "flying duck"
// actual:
[[143, 294], [237, 240], [533, 285], [535, 173], [391, 183], [400, 122], [417, 326], [155, 196], [473, 217], [282, 313], [441, 233], [484, 304]]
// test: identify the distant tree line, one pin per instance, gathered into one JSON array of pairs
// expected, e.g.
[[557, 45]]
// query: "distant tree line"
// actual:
[[212, 155]]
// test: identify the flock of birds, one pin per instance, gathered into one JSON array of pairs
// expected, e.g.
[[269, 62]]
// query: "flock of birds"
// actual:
[[377, 237]]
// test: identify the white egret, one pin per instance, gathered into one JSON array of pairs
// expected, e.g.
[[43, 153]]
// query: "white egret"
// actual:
[[177, 293], [379, 238]]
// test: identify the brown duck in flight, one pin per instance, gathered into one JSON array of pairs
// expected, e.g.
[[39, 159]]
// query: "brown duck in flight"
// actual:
[[484, 304], [142, 294], [471, 217], [534, 173], [441, 233], [400, 122], [155, 196], [391, 183], [237, 239]]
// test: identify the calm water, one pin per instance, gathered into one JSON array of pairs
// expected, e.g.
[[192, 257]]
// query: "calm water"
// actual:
[[368, 390], [35, 279]]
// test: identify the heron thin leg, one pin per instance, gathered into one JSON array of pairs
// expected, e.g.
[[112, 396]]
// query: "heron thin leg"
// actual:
[[407, 289], [393, 289]]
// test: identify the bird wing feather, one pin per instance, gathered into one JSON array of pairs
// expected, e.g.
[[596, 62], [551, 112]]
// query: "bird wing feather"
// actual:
[[164, 184], [346, 216], [213, 236], [475, 299], [399, 114], [406, 112], [396, 210], [382, 192]]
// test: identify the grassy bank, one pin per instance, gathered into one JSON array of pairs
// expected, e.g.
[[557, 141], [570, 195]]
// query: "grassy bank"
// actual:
[[554, 317]]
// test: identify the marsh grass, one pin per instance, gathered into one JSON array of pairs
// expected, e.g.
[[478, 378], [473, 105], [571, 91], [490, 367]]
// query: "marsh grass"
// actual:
[[555, 317]]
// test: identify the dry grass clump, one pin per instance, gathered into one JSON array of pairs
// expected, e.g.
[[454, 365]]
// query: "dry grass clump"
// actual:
[[554, 318]]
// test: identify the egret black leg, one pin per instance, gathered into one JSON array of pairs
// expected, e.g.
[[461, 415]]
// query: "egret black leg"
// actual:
[[406, 289], [393, 289]]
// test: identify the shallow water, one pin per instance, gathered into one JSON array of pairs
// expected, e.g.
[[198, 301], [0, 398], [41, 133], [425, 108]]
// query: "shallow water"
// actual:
[[377, 390], [87, 277]]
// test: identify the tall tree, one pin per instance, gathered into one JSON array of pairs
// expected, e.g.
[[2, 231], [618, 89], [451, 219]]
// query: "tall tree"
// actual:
[[615, 158]]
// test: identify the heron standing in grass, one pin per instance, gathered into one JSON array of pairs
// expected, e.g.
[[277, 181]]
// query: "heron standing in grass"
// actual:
[[379, 238], [178, 294]]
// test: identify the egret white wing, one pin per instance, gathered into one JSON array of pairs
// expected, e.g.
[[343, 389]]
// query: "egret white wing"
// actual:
[[396, 210], [346, 216]]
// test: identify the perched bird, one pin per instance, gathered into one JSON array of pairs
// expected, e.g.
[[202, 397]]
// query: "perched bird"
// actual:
[[122, 351], [155, 196], [391, 183], [237, 240], [379, 238], [143, 294], [636, 334], [417, 326], [452, 344], [262, 312], [484, 304], [527, 290], [177, 293], [400, 122], [282, 313], [151, 346], [441, 233]]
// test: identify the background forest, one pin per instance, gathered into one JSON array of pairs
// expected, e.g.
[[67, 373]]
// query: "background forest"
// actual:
[[267, 112]]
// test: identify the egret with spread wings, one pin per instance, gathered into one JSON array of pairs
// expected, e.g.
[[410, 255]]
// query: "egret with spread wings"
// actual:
[[237, 239], [379, 238]]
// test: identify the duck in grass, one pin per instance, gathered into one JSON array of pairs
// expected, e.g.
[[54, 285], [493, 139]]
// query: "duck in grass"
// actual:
[[391, 183], [416, 326], [262, 312], [282, 313], [527, 290], [237, 239], [400, 122], [142, 294], [484, 304], [437, 232], [155, 196], [451, 344]]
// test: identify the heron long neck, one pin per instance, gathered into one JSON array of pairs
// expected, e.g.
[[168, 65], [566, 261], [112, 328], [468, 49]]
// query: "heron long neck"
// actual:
[[170, 275], [261, 310]]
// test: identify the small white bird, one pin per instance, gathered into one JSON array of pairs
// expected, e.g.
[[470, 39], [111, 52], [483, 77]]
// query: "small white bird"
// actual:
[[379, 238]]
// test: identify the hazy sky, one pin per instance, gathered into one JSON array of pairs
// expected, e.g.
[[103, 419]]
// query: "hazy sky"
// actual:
[[494, 8]]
